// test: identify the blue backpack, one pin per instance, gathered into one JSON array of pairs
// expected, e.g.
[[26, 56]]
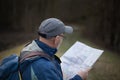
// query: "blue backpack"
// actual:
[[9, 66]]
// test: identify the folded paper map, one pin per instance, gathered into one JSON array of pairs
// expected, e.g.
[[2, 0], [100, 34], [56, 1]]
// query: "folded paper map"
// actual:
[[78, 57]]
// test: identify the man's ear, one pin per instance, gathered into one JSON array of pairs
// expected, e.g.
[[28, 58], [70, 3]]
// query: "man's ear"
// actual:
[[57, 40]]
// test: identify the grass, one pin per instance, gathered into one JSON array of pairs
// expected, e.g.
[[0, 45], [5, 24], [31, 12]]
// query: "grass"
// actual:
[[15, 50], [106, 68]]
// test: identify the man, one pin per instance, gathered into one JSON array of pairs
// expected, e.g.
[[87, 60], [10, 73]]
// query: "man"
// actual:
[[34, 67]]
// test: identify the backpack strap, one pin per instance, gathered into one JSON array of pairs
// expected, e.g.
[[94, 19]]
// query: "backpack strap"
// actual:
[[36, 53], [20, 76]]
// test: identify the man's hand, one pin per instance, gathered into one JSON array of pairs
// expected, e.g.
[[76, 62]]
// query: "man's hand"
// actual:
[[84, 73]]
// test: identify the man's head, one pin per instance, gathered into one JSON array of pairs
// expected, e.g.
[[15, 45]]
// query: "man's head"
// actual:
[[52, 29]]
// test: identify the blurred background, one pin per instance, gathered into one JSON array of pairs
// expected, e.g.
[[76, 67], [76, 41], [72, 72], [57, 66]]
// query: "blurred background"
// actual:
[[100, 18], [96, 23]]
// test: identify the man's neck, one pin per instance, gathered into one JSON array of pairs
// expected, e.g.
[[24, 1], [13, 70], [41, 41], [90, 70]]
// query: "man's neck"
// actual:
[[49, 42]]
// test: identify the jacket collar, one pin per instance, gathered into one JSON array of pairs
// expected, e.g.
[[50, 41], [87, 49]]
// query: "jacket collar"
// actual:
[[46, 49]]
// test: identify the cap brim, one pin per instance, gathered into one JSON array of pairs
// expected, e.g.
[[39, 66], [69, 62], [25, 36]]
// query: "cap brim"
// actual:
[[68, 29]]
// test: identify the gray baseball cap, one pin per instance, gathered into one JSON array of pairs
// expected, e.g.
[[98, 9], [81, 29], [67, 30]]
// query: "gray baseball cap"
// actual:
[[52, 27]]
